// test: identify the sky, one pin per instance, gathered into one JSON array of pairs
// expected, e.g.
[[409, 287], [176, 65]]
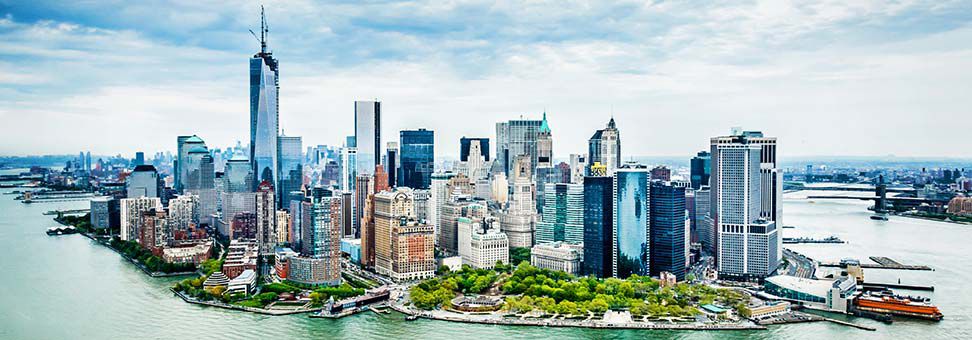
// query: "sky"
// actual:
[[842, 78]]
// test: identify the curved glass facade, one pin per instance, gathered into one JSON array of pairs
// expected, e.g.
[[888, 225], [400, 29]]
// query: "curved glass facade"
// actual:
[[631, 222]]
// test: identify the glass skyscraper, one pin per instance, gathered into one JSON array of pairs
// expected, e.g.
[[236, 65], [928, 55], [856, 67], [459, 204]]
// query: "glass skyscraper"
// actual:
[[367, 136], [291, 168], [598, 226], [418, 158], [515, 138], [701, 169], [563, 215], [264, 116], [631, 221], [667, 229]]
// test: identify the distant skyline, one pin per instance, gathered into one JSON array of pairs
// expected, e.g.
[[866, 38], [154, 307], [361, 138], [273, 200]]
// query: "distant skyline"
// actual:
[[841, 79]]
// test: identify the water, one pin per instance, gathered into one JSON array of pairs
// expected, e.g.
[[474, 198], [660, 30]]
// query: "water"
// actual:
[[68, 287]]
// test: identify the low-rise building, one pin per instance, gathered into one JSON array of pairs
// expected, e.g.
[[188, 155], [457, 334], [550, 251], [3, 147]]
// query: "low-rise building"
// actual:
[[244, 283], [770, 308], [557, 256], [833, 295], [240, 256], [194, 253], [215, 280], [667, 279], [352, 247]]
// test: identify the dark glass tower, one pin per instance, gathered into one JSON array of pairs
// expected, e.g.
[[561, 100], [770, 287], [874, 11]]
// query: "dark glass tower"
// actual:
[[598, 226], [701, 169], [667, 227], [417, 156]]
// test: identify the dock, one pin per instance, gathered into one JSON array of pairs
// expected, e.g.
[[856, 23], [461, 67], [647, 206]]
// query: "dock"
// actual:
[[873, 285], [882, 262], [798, 240]]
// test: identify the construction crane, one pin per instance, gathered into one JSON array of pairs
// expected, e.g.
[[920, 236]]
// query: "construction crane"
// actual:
[[264, 31]]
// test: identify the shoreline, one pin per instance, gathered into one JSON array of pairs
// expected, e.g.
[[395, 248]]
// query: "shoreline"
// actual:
[[933, 219], [242, 308], [581, 323], [137, 264]]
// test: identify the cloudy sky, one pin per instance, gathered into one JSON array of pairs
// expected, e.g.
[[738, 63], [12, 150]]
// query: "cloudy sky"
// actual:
[[843, 78]]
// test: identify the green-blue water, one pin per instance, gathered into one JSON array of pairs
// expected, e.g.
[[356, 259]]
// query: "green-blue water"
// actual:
[[69, 287]]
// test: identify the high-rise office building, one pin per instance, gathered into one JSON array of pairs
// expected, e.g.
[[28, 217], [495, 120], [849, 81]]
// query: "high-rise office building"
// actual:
[[667, 224], [349, 160], [563, 214], [439, 194], [747, 242], [291, 168], [661, 173], [139, 159], [515, 138], [544, 144], [183, 145], [418, 158], [605, 147], [392, 160], [367, 135], [465, 143], [701, 168], [598, 226], [704, 233], [200, 179], [264, 112], [364, 186], [578, 168], [238, 174], [519, 219], [631, 253], [143, 181], [449, 215]]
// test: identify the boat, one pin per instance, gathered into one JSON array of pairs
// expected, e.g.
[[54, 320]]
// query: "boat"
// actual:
[[910, 306], [879, 217], [411, 318]]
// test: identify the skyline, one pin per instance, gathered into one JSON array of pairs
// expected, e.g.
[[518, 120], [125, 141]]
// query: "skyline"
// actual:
[[882, 72]]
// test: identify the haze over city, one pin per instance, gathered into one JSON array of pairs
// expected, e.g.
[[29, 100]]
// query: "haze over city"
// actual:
[[841, 78]]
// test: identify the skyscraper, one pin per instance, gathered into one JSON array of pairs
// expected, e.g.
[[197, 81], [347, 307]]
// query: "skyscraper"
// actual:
[[747, 243], [701, 168], [143, 181], [519, 219], [563, 214], [266, 216], [418, 158], [667, 216], [264, 112], [605, 147], [291, 168], [392, 160], [661, 173], [183, 145], [367, 135], [578, 168], [631, 253], [544, 144], [200, 179], [515, 138], [139, 159], [598, 226], [466, 142]]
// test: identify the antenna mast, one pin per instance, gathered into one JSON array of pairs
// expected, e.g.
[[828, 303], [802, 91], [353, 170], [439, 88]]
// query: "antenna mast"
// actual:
[[264, 29]]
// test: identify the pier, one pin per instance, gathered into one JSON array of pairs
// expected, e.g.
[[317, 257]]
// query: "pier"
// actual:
[[798, 240], [882, 262]]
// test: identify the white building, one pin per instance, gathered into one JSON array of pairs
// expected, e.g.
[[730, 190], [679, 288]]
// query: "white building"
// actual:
[[244, 283], [747, 242], [130, 212], [482, 244], [557, 256]]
